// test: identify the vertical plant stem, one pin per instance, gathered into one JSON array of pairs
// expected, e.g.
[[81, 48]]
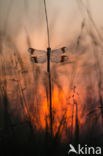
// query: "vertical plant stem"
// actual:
[[46, 15], [50, 92]]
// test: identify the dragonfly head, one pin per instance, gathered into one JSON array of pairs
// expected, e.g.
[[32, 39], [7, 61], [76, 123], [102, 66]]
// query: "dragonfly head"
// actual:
[[48, 49]]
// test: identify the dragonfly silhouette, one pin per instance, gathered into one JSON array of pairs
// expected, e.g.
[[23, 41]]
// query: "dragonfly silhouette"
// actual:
[[56, 56], [41, 56]]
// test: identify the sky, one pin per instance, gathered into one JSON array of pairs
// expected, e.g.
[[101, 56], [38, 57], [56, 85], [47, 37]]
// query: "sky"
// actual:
[[65, 17]]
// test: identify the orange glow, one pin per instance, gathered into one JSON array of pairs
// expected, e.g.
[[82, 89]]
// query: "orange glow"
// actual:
[[63, 111]]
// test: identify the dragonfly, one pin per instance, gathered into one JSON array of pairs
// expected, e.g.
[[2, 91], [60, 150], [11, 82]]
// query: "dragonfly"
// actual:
[[56, 56]]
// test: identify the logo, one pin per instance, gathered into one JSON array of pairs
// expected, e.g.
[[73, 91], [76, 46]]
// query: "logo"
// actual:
[[84, 150]]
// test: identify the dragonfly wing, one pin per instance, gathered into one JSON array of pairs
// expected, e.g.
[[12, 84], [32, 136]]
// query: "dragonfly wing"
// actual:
[[59, 51], [42, 59], [59, 55], [37, 56], [55, 58], [36, 52], [39, 59], [59, 58]]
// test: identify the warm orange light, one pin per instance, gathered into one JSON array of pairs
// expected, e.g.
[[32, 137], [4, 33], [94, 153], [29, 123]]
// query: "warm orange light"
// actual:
[[64, 104]]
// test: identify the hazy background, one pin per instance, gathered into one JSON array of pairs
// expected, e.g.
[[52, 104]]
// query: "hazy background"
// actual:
[[65, 18]]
